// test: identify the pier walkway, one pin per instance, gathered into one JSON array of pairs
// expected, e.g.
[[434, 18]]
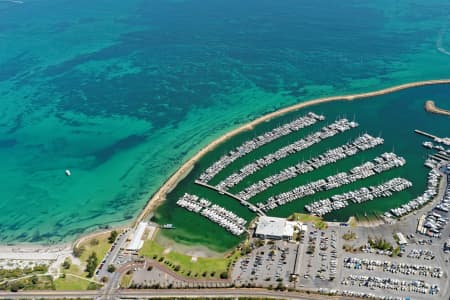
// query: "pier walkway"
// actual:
[[425, 134], [445, 140], [251, 206]]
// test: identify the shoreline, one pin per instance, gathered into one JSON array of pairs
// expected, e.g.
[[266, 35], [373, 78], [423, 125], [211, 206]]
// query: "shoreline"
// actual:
[[160, 195], [170, 184], [431, 107]]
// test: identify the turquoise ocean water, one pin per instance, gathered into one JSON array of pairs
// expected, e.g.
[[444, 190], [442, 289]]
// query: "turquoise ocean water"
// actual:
[[122, 92]]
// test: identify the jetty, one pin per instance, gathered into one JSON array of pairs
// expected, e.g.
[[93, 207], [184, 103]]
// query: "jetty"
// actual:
[[445, 140], [430, 106], [245, 203]]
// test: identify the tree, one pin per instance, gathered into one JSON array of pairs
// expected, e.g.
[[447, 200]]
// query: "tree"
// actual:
[[113, 236], [224, 275], [78, 251], [111, 268], [34, 279], [66, 264], [92, 263]]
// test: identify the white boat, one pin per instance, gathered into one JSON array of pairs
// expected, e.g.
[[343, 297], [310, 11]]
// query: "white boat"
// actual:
[[68, 173]]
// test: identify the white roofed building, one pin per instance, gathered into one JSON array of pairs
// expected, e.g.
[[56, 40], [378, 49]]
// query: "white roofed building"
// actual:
[[275, 228], [401, 239], [137, 242]]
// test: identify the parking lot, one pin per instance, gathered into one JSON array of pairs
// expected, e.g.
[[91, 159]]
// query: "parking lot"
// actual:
[[270, 264]]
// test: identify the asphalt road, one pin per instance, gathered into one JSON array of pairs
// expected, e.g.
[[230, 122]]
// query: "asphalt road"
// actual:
[[111, 256], [131, 294]]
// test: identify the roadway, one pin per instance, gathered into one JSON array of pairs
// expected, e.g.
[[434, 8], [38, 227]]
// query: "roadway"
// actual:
[[112, 254], [168, 293]]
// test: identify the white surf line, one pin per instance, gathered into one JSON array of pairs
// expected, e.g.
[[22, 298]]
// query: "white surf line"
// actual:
[[13, 1]]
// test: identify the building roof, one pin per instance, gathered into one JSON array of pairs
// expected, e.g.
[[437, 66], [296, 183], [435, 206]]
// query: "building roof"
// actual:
[[136, 242], [270, 226], [401, 239]]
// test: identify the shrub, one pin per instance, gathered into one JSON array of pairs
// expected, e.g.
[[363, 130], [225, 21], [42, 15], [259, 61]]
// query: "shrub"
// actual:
[[113, 236], [94, 242], [66, 264], [111, 268]]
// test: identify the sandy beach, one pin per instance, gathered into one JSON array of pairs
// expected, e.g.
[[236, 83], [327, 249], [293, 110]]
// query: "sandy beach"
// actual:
[[170, 184]]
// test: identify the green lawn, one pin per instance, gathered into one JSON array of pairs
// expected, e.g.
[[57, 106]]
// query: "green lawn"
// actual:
[[305, 218], [70, 283], [184, 265], [100, 249], [125, 281]]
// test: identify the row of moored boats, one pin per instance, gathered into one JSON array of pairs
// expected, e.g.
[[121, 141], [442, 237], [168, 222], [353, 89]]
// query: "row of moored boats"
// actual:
[[223, 217], [429, 194], [339, 126], [336, 202], [261, 140], [361, 143], [380, 164]]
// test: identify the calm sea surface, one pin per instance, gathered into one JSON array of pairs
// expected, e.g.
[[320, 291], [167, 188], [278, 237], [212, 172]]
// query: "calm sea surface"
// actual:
[[123, 92]]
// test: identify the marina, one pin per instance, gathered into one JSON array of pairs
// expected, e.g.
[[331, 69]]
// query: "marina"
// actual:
[[322, 207], [318, 162], [331, 130], [257, 142], [427, 196], [380, 164], [362, 143], [217, 214]]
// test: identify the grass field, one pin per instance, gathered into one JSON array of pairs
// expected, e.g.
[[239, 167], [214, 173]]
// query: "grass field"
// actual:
[[70, 283], [125, 281], [98, 244], [305, 218], [100, 249], [185, 265]]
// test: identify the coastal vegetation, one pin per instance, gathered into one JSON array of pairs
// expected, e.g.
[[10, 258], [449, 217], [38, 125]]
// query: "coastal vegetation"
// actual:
[[7, 274], [33, 282], [34, 278], [194, 267]]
